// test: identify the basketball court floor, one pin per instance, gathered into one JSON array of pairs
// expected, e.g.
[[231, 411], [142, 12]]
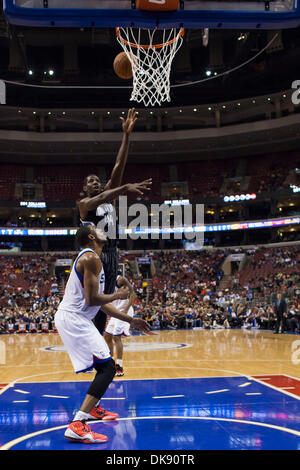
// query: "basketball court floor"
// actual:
[[182, 390]]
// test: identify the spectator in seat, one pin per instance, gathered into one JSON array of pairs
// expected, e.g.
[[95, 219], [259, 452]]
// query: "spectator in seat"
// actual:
[[197, 323], [22, 327], [3, 327], [189, 318], [11, 327], [293, 320], [45, 327], [207, 322], [181, 320]]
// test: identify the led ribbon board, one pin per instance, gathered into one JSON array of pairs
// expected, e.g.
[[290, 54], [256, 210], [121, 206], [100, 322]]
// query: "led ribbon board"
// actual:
[[4, 231]]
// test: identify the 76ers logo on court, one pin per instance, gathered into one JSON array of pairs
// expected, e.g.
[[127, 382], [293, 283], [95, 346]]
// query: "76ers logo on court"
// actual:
[[296, 352], [158, 5]]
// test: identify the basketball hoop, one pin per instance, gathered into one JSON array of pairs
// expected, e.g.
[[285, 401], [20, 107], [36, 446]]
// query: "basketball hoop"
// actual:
[[151, 53]]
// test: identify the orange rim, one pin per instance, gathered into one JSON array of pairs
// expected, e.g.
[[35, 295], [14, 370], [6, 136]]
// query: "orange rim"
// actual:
[[144, 46]]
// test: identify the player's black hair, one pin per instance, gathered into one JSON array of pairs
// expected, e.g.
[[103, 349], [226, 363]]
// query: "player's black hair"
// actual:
[[87, 177], [82, 235]]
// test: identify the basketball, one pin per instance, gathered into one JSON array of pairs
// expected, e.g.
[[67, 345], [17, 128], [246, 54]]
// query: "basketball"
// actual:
[[122, 66]]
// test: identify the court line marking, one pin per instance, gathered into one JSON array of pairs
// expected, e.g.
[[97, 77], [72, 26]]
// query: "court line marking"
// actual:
[[246, 384], [256, 393], [218, 391], [20, 401], [16, 441], [113, 398], [13, 382], [151, 361], [54, 396], [2, 390], [291, 377], [170, 396], [21, 391], [239, 374], [276, 388]]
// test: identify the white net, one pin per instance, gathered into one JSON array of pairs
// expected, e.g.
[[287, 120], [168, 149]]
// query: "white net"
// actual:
[[151, 53]]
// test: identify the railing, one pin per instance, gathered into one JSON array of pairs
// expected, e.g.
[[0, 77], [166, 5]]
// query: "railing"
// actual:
[[267, 299]]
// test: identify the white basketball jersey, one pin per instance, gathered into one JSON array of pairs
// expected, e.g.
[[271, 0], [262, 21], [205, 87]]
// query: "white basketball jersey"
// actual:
[[74, 299]]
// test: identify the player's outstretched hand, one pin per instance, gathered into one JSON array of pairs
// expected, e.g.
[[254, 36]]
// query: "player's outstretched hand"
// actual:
[[128, 123], [122, 293], [140, 325], [139, 188]]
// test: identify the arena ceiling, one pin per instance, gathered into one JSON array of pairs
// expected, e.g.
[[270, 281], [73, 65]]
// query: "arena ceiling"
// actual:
[[152, 147]]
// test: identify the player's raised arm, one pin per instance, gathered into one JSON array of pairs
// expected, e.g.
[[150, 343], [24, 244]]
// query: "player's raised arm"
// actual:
[[91, 203], [121, 160]]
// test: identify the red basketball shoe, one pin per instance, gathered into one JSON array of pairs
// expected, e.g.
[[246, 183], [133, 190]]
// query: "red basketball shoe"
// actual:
[[119, 371], [99, 413], [79, 431]]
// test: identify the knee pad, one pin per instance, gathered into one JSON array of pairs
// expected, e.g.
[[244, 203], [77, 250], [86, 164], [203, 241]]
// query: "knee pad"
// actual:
[[105, 374]]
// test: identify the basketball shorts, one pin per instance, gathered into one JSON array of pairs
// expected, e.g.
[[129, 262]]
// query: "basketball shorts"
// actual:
[[109, 260], [82, 340], [117, 327]]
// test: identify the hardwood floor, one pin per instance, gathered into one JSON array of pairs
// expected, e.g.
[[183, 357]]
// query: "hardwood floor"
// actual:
[[169, 354]]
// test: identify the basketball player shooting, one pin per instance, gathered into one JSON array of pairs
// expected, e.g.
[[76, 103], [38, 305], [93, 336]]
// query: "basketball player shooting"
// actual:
[[98, 207], [86, 347]]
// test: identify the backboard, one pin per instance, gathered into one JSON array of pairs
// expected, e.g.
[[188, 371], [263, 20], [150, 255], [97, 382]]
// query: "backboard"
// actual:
[[212, 14]]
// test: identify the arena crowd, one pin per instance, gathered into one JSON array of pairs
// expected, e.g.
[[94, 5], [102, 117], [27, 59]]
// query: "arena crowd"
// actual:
[[185, 292]]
